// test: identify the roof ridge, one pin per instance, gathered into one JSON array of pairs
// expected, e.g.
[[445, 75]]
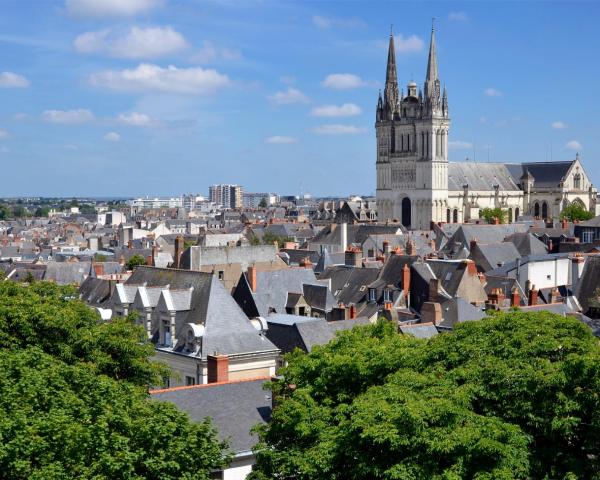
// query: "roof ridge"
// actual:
[[206, 385]]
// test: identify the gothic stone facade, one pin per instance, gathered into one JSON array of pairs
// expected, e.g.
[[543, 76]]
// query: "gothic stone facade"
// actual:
[[417, 185]]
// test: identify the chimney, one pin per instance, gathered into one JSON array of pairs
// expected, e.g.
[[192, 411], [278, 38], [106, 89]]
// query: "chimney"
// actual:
[[352, 312], [98, 268], [564, 224], [434, 288], [470, 266], [306, 263], [179, 244], [386, 248], [344, 237], [218, 368], [149, 261], [515, 298], [577, 263], [431, 312], [496, 221], [122, 260], [353, 257], [251, 277], [554, 295], [406, 279], [130, 244], [550, 246], [411, 249], [496, 297], [154, 254], [533, 296], [472, 244]]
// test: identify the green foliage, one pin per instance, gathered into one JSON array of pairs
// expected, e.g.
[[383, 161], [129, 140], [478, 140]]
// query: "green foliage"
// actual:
[[19, 211], [489, 214], [4, 212], [575, 211], [74, 401], [514, 396], [270, 238], [262, 203], [98, 257], [42, 212], [134, 261]]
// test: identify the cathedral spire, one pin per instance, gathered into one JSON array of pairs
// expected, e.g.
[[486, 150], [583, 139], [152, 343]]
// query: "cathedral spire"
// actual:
[[391, 81], [432, 67]]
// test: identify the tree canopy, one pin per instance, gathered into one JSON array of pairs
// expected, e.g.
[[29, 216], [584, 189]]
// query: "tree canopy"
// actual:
[[514, 396], [575, 211], [134, 261], [74, 401], [489, 214]]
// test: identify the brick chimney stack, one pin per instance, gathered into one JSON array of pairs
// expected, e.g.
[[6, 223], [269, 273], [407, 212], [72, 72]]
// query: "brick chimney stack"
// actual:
[[577, 263], [251, 277], [515, 298], [179, 246], [306, 263], [496, 297], [217, 368], [533, 296], [472, 244], [554, 295], [431, 312], [434, 289], [352, 312], [406, 279], [411, 248]]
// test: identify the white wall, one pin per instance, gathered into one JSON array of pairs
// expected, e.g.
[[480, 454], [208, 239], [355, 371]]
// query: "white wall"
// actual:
[[546, 274]]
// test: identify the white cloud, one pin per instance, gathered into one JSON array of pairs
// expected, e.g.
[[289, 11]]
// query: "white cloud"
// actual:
[[492, 92], [136, 43], [149, 77], [112, 137], [343, 81], [408, 44], [71, 146], [135, 119], [81, 115], [209, 53], [337, 129], [13, 80], [345, 110], [482, 120], [458, 17], [574, 145], [321, 22], [110, 8], [3, 133], [291, 95], [559, 125], [280, 139], [459, 145]]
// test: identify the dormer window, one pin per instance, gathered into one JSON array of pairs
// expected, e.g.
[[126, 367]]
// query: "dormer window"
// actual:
[[372, 294]]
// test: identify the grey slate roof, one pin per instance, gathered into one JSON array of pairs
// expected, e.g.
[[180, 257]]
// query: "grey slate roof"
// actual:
[[588, 283], [457, 310], [480, 176], [273, 287], [419, 330], [234, 408], [526, 243], [493, 255], [545, 174], [67, 273]]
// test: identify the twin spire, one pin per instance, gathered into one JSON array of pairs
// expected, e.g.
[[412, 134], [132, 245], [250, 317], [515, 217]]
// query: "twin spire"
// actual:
[[434, 101]]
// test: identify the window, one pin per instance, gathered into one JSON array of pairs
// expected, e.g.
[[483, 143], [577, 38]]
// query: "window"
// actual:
[[362, 288], [302, 311], [548, 277], [220, 274], [577, 181], [387, 296], [587, 236], [372, 294], [189, 381]]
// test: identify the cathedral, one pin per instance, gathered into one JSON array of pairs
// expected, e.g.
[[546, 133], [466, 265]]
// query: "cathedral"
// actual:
[[417, 185]]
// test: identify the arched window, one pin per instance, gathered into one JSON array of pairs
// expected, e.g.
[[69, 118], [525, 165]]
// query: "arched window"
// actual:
[[577, 181], [510, 215], [517, 214], [408, 142], [536, 209], [448, 215], [544, 210], [455, 216]]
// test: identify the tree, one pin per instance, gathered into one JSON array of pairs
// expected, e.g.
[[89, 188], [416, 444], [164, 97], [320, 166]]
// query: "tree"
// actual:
[[263, 203], [98, 257], [74, 401], [270, 238], [4, 212], [42, 212], [575, 211], [490, 214], [134, 261], [19, 211], [514, 396]]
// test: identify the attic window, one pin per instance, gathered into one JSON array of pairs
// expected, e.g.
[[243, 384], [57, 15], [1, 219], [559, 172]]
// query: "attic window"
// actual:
[[448, 276], [362, 288]]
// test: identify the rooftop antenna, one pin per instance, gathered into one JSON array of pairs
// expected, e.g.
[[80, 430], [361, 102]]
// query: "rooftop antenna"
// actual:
[[391, 29], [432, 24]]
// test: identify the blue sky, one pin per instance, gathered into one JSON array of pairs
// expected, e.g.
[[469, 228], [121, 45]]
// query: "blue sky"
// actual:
[[162, 97]]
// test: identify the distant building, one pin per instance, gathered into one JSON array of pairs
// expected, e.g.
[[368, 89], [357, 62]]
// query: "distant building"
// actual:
[[252, 200], [229, 196], [156, 202]]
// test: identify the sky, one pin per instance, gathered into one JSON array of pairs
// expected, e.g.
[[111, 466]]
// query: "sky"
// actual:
[[164, 97]]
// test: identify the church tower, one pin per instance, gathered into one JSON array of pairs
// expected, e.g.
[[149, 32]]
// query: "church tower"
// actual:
[[412, 147]]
